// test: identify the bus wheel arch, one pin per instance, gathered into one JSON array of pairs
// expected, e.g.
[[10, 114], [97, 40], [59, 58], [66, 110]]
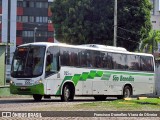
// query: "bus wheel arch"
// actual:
[[68, 92]]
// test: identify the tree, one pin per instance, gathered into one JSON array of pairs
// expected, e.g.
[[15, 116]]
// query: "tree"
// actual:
[[133, 22], [150, 43], [91, 21]]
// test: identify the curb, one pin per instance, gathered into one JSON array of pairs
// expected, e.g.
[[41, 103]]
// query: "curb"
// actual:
[[141, 98]]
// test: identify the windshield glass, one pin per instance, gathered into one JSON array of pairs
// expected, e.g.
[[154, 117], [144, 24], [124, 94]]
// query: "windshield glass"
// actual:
[[28, 61]]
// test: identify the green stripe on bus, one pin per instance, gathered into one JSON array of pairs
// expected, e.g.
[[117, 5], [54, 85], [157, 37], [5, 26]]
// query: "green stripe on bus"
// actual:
[[92, 74], [84, 76], [76, 78], [67, 78], [99, 74]]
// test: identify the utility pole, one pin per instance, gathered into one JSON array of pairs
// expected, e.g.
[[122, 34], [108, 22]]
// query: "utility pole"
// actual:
[[8, 37], [115, 24], [153, 42]]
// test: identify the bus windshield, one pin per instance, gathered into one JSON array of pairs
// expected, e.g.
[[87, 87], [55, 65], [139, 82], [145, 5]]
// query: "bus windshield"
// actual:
[[28, 61]]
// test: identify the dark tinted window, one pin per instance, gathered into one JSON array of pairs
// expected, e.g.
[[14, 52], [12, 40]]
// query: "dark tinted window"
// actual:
[[97, 59], [73, 55], [89, 58], [83, 58], [133, 62], [105, 60], [110, 64], [64, 56], [69, 56], [119, 61], [146, 63]]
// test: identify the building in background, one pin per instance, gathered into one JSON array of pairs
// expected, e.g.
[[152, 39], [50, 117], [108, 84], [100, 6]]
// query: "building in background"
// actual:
[[24, 21], [155, 14]]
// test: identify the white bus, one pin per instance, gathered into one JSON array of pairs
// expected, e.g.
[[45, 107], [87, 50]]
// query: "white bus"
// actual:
[[52, 69]]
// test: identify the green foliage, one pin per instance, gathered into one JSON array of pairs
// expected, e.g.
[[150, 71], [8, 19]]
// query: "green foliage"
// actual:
[[151, 42], [135, 17], [92, 21]]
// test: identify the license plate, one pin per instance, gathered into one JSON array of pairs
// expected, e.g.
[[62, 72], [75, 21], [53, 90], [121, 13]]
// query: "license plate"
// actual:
[[23, 88]]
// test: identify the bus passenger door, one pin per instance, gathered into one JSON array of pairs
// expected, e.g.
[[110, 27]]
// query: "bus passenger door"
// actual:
[[52, 84], [52, 67]]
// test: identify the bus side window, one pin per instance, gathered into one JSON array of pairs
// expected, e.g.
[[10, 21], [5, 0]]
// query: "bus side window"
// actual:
[[133, 62], [83, 59], [48, 63], [55, 63], [109, 61], [146, 63]]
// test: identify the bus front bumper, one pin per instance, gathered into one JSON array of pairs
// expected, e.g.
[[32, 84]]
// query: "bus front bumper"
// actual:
[[27, 90]]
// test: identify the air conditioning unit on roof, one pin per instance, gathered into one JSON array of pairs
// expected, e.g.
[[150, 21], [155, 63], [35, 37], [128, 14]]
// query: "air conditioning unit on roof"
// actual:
[[105, 47]]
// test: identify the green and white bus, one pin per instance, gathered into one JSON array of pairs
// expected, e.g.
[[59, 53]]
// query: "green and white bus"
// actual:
[[80, 70]]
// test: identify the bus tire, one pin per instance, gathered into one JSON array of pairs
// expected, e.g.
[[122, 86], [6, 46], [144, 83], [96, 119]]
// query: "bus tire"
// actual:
[[100, 97], [67, 93], [127, 91], [37, 97]]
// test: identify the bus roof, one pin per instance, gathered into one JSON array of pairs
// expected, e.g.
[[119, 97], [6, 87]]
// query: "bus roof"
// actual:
[[89, 47]]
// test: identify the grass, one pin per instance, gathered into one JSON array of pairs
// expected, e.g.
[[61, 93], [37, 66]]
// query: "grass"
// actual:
[[150, 104]]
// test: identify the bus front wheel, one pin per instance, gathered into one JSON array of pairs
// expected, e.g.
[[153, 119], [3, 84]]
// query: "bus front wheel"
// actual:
[[67, 93], [37, 97]]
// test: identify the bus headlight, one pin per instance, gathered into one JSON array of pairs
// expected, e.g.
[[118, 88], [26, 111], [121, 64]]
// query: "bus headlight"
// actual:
[[11, 82], [38, 82]]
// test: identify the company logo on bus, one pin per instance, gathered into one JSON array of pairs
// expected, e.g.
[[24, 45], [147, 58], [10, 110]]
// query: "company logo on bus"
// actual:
[[26, 82], [122, 78]]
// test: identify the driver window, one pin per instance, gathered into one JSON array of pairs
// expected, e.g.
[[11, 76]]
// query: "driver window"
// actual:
[[49, 63], [52, 61]]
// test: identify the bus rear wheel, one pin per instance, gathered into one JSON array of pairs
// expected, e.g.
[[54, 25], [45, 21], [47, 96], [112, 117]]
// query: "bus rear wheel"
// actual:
[[127, 92], [37, 97], [67, 93], [100, 97]]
